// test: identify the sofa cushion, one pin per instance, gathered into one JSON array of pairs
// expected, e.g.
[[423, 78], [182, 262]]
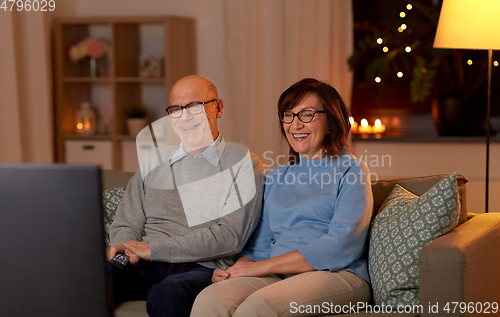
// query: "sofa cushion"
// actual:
[[418, 186], [404, 225], [110, 199]]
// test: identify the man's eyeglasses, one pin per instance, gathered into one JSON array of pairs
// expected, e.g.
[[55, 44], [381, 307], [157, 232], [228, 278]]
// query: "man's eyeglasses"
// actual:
[[193, 108], [304, 116]]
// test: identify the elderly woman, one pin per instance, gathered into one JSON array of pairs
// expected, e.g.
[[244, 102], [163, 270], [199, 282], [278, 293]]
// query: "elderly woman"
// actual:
[[306, 254]]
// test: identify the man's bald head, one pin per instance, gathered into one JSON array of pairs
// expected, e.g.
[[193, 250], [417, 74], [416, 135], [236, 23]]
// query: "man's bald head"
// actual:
[[194, 85], [197, 131]]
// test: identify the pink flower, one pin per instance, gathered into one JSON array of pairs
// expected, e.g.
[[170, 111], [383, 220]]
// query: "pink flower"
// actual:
[[94, 49], [89, 47]]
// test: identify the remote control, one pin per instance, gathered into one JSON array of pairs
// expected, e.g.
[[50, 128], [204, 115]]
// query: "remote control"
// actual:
[[119, 260]]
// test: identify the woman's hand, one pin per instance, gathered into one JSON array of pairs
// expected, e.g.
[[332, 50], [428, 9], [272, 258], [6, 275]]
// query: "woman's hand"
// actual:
[[288, 263], [220, 275], [246, 268]]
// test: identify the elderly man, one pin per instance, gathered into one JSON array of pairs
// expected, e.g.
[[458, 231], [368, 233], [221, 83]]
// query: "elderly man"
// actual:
[[188, 210]]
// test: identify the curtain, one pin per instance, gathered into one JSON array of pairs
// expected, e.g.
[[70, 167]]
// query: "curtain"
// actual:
[[270, 45], [26, 113]]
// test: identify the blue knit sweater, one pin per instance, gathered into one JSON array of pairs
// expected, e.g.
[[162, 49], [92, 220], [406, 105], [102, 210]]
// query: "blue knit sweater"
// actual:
[[320, 207]]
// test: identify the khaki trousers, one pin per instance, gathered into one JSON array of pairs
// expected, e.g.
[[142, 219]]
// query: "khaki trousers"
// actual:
[[306, 294]]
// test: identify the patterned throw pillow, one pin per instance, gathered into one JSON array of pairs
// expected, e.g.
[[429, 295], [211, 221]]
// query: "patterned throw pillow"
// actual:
[[407, 223], [110, 200]]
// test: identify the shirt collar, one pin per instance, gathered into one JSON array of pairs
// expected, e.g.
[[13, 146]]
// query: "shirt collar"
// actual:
[[212, 153]]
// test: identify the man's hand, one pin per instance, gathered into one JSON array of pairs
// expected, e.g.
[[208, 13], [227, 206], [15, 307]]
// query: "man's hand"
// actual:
[[114, 250], [141, 249], [220, 275], [122, 248]]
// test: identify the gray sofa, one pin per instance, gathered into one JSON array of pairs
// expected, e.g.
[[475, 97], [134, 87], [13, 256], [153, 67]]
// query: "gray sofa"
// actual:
[[462, 266]]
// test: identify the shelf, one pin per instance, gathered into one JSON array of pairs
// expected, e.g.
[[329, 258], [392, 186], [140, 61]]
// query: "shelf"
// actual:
[[140, 79], [133, 41], [107, 80], [100, 80], [427, 139], [87, 137], [125, 137]]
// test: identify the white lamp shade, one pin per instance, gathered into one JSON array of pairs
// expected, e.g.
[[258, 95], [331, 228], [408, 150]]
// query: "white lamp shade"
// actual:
[[469, 24]]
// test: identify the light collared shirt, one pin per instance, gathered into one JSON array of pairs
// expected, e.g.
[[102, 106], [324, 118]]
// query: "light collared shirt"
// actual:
[[212, 153]]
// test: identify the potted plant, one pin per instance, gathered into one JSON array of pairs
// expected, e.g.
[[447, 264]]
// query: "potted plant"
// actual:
[[136, 118], [444, 77]]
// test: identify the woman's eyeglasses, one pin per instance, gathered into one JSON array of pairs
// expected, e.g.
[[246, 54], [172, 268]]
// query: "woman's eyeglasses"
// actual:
[[304, 116]]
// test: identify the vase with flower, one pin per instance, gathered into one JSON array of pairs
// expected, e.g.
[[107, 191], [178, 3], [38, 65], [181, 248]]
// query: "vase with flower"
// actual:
[[95, 50]]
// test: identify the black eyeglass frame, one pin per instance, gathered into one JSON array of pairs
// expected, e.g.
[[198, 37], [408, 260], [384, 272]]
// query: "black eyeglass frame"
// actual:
[[282, 118], [189, 106]]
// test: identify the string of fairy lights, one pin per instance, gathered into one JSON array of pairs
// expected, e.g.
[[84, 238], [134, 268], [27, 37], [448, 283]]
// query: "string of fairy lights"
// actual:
[[401, 29]]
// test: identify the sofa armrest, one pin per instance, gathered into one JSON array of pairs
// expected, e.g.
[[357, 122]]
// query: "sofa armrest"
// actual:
[[462, 266]]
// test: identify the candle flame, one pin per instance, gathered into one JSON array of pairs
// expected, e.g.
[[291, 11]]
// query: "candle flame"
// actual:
[[86, 124]]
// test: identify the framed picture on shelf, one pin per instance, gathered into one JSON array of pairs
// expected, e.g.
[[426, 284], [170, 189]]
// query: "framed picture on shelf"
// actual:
[[151, 66]]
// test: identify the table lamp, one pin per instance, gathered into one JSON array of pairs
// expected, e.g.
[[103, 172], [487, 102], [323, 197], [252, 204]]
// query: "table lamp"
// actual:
[[472, 24]]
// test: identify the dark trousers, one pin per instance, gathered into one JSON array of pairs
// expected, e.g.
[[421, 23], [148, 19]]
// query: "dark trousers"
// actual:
[[168, 288]]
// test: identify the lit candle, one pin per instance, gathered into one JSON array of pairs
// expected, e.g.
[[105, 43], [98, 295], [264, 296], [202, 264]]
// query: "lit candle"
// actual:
[[354, 125], [85, 119], [364, 127], [378, 127]]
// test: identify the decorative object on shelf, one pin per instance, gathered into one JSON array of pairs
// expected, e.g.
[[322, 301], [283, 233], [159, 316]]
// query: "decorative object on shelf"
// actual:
[[365, 128], [136, 118], [354, 125], [93, 49], [151, 66], [378, 127], [472, 25], [85, 119], [93, 68]]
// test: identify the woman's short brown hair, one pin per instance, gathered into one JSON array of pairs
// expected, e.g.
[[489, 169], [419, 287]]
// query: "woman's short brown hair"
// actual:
[[336, 111]]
